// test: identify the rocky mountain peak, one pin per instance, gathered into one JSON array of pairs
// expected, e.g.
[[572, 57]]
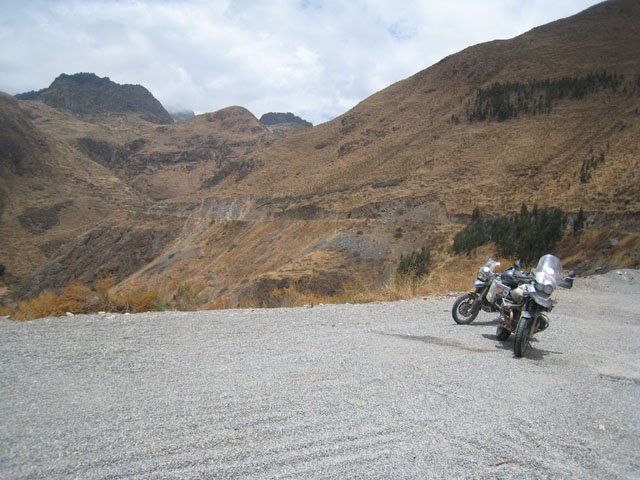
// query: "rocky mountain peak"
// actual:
[[88, 94], [275, 118]]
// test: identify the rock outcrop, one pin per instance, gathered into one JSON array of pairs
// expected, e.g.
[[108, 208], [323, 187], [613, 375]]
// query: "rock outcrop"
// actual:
[[88, 94], [273, 118]]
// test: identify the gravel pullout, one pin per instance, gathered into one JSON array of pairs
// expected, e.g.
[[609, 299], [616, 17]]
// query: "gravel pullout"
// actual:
[[384, 390]]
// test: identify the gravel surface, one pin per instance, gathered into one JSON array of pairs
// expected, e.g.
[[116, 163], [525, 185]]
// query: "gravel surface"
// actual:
[[384, 390]]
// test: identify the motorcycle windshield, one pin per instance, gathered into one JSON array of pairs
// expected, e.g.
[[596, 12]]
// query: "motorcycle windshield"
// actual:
[[491, 264], [548, 270]]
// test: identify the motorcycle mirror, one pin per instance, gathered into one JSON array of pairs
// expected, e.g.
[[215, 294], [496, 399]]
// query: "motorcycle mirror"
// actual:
[[518, 264], [572, 273]]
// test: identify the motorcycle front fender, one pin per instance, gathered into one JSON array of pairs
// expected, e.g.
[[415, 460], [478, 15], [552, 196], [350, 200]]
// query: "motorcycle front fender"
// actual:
[[479, 284]]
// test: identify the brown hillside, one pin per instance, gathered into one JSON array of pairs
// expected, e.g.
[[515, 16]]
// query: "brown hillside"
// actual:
[[410, 131], [397, 169], [161, 162], [148, 163], [195, 152], [550, 117], [48, 191]]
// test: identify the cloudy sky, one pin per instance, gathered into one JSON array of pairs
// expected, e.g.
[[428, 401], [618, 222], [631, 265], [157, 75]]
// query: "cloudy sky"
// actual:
[[316, 58]]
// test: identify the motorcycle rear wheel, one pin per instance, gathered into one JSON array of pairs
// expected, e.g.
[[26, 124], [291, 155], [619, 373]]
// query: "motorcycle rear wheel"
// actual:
[[502, 333], [463, 310], [523, 335]]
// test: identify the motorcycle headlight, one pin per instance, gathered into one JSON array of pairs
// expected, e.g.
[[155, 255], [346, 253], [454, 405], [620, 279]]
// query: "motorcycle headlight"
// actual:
[[483, 273], [547, 289]]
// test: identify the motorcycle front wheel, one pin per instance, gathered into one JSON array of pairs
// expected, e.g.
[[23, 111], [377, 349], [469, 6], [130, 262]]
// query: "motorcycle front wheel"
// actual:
[[463, 311], [523, 335]]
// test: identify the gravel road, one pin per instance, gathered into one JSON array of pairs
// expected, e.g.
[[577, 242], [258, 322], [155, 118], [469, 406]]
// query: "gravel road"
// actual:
[[384, 390]]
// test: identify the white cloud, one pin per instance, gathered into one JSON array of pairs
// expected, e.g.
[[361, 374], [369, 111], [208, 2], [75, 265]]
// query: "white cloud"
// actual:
[[316, 58]]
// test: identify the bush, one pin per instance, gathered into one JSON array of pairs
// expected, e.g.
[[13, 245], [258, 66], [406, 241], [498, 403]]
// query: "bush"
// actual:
[[476, 233], [502, 101], [590, 164], [79, 298], [185, 297], [102, 287], [414, 265], [44, 305], [139, 301], [524, 235], [75, 298]]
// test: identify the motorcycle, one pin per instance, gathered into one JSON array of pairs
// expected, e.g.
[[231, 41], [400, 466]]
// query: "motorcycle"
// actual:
[[490, 289], [523, 308]]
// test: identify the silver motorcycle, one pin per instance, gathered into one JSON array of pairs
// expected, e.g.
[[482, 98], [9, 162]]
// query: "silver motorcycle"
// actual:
[[490, 288], [523, 309]]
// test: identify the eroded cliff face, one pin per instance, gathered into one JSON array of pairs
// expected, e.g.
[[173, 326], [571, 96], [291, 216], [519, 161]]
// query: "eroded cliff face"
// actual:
[[117, 247]]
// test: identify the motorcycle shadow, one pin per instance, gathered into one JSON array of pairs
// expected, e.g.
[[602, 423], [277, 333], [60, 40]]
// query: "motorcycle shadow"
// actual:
[[533, 353], [484, 323]]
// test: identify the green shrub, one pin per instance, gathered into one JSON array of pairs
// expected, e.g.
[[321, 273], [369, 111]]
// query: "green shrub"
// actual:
[[502, 101], [139, 301], [590, 164], [526, 235], [475, 234], [186, 295], [415, 264]]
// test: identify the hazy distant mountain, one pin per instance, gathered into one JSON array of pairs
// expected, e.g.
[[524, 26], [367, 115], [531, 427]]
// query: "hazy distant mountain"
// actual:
[[88, 94], [274, 118], [182, 115]]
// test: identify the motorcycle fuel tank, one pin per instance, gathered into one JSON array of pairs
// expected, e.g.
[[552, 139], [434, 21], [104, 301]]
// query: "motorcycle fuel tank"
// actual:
[[517, 293]]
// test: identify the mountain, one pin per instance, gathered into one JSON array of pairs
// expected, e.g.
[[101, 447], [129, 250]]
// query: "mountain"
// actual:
[[88, 94], [49, 192], [199, 152], [64, 176], [548, 118], [273, 118], [284, 124], [182, 115], [418, 130]]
